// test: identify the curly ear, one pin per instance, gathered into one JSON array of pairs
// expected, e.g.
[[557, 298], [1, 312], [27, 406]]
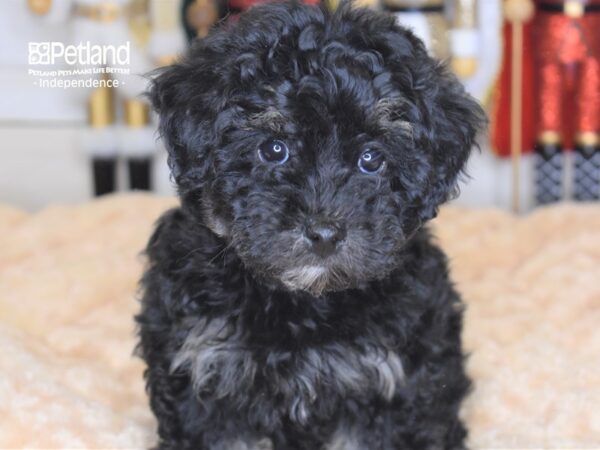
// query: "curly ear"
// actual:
[[180, 94], [454, 120]]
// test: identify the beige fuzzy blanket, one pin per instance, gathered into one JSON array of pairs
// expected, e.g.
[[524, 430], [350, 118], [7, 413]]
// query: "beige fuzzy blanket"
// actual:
[[67, 296]]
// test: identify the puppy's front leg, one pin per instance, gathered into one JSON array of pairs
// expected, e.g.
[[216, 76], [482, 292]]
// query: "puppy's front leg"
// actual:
[[181, 426], [184, 423], [165, 389], [164, 405]]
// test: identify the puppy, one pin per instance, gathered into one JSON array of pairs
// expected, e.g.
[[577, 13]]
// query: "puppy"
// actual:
[[294, 300]]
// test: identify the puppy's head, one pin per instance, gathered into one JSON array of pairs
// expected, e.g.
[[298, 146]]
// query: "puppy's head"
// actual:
[[314, 143]]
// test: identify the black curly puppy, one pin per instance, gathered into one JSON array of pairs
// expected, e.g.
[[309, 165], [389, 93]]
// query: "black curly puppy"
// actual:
[[294, 300]]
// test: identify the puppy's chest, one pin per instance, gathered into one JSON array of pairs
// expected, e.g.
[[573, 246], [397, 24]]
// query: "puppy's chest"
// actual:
[[222, 364]]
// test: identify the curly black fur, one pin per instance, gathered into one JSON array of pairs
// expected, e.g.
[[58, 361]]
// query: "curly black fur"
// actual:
[[251, 339]]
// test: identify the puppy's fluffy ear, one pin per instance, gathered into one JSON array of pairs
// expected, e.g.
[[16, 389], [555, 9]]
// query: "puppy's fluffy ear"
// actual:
[[453, 121], [180, 94]]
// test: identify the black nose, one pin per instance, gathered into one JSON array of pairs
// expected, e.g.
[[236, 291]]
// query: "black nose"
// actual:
[[324, 237]]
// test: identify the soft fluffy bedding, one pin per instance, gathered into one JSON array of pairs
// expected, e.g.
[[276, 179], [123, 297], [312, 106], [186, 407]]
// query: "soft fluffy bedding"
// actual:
[[67, 296]]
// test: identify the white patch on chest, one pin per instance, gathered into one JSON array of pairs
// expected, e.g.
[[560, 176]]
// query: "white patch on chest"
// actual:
[[217, 359], [305, 278]]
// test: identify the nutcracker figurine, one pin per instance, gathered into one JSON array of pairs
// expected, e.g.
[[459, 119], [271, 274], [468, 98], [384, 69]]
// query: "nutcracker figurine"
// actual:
[[152, 31], [566, 35], [555, 104]]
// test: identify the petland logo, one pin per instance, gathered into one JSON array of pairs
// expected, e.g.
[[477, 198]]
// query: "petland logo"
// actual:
[[83, 54]]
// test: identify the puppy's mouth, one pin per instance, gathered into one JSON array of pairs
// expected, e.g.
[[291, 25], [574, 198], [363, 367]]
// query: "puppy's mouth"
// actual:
[[316, 274], [297, 268]]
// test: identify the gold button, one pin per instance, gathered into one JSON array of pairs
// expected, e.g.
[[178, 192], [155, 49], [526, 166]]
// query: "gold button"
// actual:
[[588, 138], [549, 137]]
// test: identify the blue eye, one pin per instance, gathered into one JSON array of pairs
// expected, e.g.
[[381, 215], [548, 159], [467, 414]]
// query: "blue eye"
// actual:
[[371, 161], [273, 151]]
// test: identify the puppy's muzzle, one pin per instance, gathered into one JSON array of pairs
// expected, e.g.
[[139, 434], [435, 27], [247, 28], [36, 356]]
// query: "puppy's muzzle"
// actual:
[[324, 236]]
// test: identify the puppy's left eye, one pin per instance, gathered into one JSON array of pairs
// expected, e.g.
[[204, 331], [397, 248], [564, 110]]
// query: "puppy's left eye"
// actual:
[[273, 151], [371, 161]]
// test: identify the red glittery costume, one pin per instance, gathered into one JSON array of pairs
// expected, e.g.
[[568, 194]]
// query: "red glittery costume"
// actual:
[[568, 67]]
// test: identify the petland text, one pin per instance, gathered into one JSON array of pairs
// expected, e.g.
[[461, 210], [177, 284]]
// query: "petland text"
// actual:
[[83, 54]]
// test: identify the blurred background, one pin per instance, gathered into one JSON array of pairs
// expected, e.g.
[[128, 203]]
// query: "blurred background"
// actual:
[[69, 135]]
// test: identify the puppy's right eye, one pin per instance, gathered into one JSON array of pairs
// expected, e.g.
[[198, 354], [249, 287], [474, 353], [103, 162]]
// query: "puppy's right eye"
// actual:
[[371, 161], [273, 151]]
